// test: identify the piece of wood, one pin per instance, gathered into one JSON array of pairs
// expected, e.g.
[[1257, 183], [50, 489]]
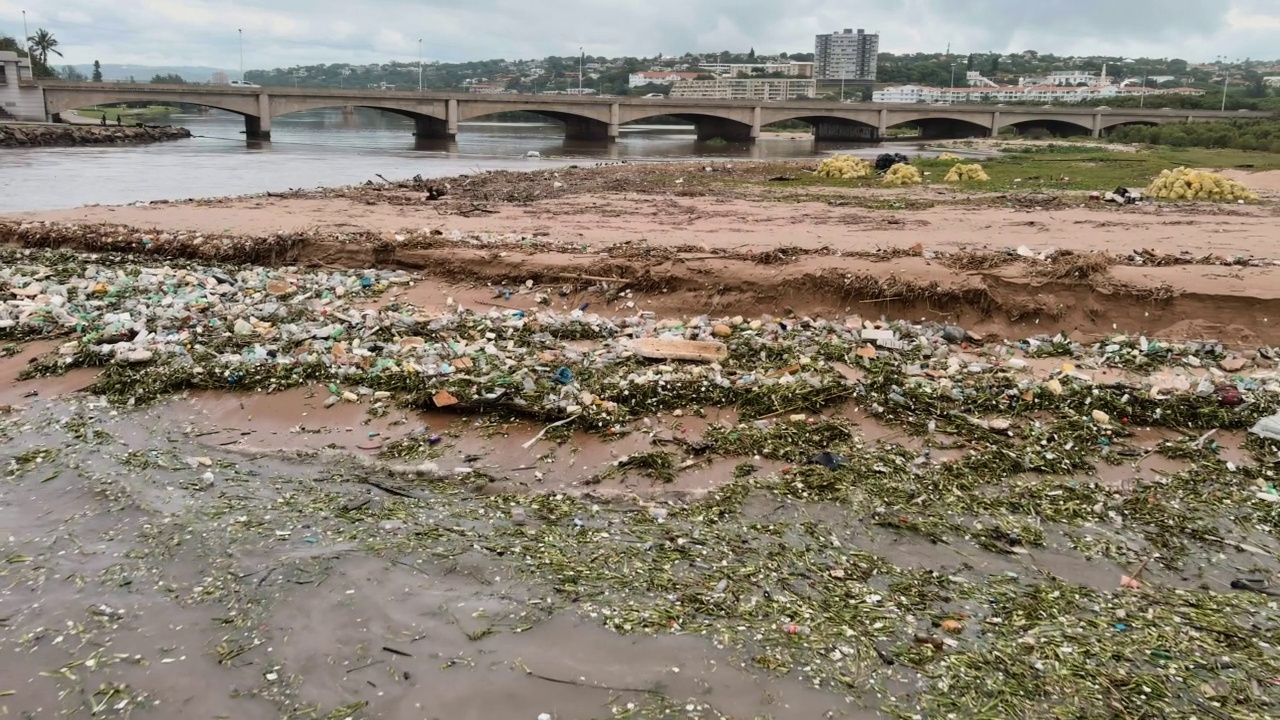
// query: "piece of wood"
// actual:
[[679, 349]]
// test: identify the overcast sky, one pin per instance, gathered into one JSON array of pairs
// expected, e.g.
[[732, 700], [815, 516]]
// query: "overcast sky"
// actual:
[[280, 33]]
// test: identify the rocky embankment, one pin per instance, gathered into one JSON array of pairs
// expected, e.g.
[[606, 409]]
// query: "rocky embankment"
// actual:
[[66, 135]]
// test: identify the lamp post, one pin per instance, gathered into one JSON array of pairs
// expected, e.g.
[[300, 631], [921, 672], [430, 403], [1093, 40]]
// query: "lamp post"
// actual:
[[419, 65], [951, 97], [582, 58], [240, 33], [1225, 79], [26, 40], [1142, 96]]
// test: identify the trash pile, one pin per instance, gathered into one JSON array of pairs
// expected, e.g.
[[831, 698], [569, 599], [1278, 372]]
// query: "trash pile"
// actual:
[[949, 156], [1027, 425], [903, 174], [161, 328], [1187, 184], [845, 167], [885, 161], [966, 173]]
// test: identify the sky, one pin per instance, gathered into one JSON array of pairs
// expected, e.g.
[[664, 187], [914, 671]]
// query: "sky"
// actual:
[[283, 33]]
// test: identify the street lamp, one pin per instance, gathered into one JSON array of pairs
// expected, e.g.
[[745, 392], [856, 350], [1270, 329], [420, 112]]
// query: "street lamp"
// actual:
[[951, 97], [1142, 96], [240, 33], [582, 58], [26, 40], [419, 65], [1226, 77]]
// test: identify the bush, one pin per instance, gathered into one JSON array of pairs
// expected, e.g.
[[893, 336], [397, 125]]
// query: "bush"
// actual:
[[1236, 134]]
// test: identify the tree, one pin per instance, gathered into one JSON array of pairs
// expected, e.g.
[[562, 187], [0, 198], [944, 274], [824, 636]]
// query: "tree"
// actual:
[[169, 79], [70, 74], [751, 56], [97, 71], [43, 43], [995, 65]]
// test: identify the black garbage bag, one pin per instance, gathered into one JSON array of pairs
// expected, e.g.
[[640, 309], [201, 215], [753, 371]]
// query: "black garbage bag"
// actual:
[[888, 160]]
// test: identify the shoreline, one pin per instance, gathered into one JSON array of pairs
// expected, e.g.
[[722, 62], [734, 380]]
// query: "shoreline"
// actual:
[[36, 135], [716, 438]]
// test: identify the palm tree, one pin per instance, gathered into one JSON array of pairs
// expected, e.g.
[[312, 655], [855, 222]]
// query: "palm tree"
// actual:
[[43, 43]]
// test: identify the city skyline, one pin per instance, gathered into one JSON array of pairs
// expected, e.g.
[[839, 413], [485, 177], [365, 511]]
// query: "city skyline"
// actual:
[[282, 33]]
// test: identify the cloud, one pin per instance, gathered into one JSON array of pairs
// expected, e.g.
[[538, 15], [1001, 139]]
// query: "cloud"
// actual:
[[281, 33]]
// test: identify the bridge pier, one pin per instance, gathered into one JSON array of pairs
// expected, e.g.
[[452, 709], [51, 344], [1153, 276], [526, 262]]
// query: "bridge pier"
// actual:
[[426, 127], [581, 128], [257, 128], [711, 128], [845, 131]]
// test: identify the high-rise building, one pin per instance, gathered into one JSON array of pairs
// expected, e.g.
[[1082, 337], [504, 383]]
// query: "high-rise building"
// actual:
[[846, 55]]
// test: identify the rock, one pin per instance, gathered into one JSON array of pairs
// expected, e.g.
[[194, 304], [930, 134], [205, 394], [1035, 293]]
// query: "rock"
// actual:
[[999, 424], [721, 331], [279, 288], [1053, 386], [954, 333], [866, 351]]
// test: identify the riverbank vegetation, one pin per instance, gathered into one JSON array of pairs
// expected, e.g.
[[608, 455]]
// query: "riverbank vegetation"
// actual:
[[1235, 134]]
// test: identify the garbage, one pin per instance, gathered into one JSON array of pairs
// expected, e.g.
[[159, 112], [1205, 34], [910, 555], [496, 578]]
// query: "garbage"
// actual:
[[1186, 184], [829, 460], [885, 161], [949, 156], [1122, 196], [952, 626], [903, 174], [1267, 427], [966, 173], [845, 167], [676, 349]]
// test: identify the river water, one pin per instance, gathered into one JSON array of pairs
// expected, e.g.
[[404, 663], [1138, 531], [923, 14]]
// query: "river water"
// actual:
[[328, 147]]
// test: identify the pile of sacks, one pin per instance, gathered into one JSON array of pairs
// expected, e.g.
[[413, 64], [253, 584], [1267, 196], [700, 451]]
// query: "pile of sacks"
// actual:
[[845, 167], [962, 173], [1185, 184], [902, 174]]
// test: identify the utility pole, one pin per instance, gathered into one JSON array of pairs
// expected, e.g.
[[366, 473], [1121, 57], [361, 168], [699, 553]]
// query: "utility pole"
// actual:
[[1142, 98], [842, 83], [951, 97], [419, 65], [240, 32], [582, 58]]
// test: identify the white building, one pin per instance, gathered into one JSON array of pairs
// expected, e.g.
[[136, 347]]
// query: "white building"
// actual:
[[790, 69], [1067, 78], [20, 97], [846, 55], [745, 89], [1043, 94], [975, 79], [665, 77]]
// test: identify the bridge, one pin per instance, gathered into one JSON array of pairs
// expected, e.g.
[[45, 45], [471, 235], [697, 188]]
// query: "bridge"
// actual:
[[437, 115]]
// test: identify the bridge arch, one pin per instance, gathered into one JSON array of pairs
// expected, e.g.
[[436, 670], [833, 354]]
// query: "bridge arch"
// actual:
[[939, 125], [708, 126], [56, 102], [429, 117], [1058, 127], [853, 126]]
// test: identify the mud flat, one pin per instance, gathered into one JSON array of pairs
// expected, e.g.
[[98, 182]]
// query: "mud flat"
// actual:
[[357, 453]]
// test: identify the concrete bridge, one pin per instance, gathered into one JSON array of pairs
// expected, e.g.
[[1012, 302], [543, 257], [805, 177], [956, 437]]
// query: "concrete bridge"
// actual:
[[437, 115]]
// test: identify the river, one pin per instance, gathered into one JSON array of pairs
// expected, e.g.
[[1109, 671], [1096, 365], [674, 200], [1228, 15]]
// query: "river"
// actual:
[[328, 147]]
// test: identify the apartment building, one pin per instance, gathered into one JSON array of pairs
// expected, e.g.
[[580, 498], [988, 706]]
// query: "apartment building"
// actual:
[[846, 55], [665, 77], [763, 89], [1048, 94], [20, 97]]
